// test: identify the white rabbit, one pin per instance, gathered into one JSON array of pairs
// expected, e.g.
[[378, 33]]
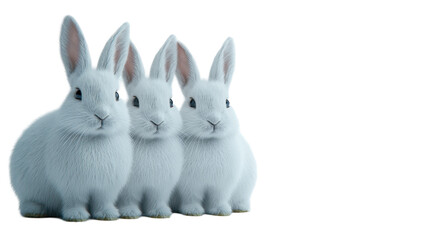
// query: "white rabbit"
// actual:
[[155, 126], [77, 158], [219, 170]]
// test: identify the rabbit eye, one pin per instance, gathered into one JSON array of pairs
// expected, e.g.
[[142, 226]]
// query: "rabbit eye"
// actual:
[[171, 103], [136, 102], [227, 103], [117, 96], [192, 103], [78, 94]]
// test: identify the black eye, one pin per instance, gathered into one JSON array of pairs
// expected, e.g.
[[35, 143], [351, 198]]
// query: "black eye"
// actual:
[[78, 94], [171, 103], [192, 103], [117, 96], [136, 102], [227, 103]]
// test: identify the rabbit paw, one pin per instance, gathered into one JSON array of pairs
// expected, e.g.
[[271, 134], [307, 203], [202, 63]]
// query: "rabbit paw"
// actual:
[[78, 214], [192, 210], [32, 210], [160, 212], [241, 207], [222, 210], [130, 212], [106, 214]]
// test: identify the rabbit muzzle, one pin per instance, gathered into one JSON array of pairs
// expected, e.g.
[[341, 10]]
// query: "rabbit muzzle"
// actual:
[[157, 125], [213, 124], [102, 119]]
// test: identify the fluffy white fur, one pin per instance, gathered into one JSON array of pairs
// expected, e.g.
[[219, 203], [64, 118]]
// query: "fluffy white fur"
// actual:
[[70, 163], [219, 170], [155, 129]]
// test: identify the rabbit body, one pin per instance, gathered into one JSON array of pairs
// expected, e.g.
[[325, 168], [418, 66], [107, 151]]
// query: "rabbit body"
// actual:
[[155, 126], [93, 174], [216, 178], [72, 162], [44, 172], [219, 171], [156, 170]]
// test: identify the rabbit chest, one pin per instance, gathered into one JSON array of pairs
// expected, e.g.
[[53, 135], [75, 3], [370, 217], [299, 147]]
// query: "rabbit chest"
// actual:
[[157, 161], [89, 162], [213, 162]]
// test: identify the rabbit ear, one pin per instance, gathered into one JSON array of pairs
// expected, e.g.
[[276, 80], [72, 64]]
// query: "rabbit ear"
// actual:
[[74, 51], [165, 62], [115, 51], [133, 70], [223, 63], [187, 71]]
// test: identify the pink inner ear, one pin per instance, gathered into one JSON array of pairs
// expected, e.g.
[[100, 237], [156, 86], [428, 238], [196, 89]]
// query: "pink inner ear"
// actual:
[[73, 46], [167, 65], [129, 65], [117, 55], [225, 67], [183, 64]]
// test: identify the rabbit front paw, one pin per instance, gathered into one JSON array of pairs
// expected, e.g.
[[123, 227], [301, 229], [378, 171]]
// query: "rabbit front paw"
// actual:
[[78, 214], [192, 210], [159, 212], [221, 210], [130, 212], [107, 214], [241, 207]]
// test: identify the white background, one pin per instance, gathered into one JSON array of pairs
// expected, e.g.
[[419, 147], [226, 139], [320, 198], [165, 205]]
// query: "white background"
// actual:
[[332, 96]]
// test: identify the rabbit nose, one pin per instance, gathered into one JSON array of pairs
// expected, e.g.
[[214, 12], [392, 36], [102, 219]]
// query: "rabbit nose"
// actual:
[[214, 119], [156, 124], [101, 114], [157, 119], [213, 123], [101, 118]]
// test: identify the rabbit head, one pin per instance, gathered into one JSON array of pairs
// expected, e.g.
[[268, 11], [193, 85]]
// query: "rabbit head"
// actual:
[[207, 112], [93, 106], [150, 104]]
